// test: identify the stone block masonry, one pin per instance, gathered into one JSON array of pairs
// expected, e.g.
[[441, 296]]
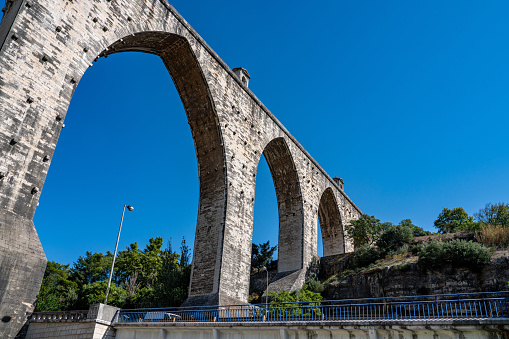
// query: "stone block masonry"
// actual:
[[92, 324], [46, 47]]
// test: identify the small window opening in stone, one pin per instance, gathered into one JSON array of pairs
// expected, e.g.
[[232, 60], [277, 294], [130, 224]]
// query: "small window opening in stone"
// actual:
[[244, 80]]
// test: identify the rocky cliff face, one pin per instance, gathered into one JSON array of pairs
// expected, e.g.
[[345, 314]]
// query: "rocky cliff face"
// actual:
[[408, 278]]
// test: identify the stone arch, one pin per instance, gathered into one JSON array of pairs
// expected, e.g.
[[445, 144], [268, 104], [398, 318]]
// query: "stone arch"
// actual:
[[331, 224], [290, 207], [35, 99], [186, 73]]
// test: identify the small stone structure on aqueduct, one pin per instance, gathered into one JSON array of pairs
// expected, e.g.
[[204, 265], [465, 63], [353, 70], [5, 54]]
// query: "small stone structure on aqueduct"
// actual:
[[46, 47]]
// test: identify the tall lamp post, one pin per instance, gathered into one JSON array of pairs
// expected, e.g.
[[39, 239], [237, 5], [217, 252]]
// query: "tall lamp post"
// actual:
[[130, 208], [267, 289]]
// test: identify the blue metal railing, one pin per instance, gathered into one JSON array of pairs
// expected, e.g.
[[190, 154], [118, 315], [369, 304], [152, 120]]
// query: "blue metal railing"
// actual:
[[446, 306]]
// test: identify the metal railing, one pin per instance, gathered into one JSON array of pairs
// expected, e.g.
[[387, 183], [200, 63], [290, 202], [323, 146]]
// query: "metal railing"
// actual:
[[450, 306]]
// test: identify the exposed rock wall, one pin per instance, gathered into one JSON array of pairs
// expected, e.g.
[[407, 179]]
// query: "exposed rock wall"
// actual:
[[412, 279]]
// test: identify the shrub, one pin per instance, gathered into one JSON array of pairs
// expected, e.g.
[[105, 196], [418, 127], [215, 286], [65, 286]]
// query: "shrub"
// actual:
[[459, 253], [314, 285], [304, 294], [432, 254], [394, 238], [416, 249], [365, 255], [494, 236], [467, 254]]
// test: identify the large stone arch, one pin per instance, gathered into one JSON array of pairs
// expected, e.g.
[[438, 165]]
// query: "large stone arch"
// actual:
[[330, 224], [42, 60], [289, 201], [178, 57]]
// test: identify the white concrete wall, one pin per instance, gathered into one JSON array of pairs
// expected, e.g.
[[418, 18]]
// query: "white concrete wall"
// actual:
[[72, 330], [316, 332]]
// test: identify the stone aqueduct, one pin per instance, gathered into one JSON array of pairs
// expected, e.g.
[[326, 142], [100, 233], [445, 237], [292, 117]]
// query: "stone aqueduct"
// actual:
[[46, 47]]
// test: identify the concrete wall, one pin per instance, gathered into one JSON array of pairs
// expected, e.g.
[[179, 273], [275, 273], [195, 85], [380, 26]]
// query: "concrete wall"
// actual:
[[71, 330], [48, 45], [92, 324], [360, 330]]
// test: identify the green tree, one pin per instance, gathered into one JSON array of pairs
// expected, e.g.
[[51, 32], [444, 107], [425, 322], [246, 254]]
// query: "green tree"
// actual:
[[143, 278], [366, 230], [96, 293], [57, 291], [91, 268], [173, 282], [394, 238], [494, 215], [136, 268], [455, 220], [417, 231], [262, 255], [137, 272]]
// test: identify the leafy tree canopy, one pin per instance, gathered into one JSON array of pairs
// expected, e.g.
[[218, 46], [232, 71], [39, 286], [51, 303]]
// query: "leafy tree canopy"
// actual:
[[151, 277], [366, 230], [57, 290], [417, 231], [262, 255], [455, 220], [394, 237], [494, 215]]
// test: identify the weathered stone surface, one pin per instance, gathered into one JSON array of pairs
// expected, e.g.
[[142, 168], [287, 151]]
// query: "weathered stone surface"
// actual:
[[420, 329], [96, 323], [46, 48], [411, 279], [22, 265]]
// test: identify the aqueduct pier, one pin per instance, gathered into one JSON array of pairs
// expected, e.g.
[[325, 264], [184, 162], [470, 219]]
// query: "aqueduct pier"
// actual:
[[46, 47]]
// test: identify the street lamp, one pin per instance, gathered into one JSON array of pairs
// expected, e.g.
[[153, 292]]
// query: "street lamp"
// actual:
[[267, 289], [130, 208]]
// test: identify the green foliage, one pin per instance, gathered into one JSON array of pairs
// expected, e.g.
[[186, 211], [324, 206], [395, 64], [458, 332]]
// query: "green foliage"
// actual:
[[91, 268], [143, 278], [458, 253], [365, 255], [432, 254], [314, 285], [467, 254], [494, 215], [136, 268], [302, 295], [417, 231], [394, 238], [96, 292], [366, 230], [416, 249], [57, 291], [173, 283], [455, 220], [262, 255]]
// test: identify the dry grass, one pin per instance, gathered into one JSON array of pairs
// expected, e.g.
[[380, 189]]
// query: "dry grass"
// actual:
[[494, 236]]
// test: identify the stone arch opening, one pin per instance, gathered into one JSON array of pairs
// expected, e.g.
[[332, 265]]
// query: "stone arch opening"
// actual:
[[330, 224], [290, 207], [120, 138], [266, 215], [186, 73]]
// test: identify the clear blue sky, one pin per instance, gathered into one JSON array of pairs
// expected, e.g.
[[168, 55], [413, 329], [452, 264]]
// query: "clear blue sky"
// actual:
[[407, 101]]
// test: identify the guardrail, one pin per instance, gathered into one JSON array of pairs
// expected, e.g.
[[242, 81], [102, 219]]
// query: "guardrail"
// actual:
[[447, 306]]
